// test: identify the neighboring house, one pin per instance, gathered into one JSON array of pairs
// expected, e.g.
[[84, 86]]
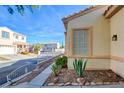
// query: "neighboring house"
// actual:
[[11, 42], [31, 48], [96, 33], [50, 47]]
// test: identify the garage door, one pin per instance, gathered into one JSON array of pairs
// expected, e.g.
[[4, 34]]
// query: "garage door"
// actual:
[[7, 49]]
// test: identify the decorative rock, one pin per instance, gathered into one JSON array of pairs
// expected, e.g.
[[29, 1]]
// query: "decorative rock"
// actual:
[[66, 79], [50, 84], [74, 84], [99, 83], [60, 84], [109, 74], [68, 83], [55, 80], [101, 73], [114, 82], [81, 81], [87, 83], [120, 82], [93, 83], [107, 83]]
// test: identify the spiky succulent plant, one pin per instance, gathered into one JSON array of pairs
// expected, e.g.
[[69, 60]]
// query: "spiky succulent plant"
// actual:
[[79, 66]]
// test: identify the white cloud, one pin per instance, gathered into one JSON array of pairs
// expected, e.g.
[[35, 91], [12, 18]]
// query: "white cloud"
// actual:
[[46, 34]]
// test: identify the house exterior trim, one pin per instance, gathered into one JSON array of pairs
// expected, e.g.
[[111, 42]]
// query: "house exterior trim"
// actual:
[[65, 33], [92, 57], [117, 58]]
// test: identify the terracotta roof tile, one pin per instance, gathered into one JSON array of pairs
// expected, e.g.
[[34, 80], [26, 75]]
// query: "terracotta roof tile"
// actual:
[[108, 9], [112, 10], [81, 12]]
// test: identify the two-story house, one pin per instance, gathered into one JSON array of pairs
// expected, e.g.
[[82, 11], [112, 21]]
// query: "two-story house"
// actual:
[[50, 47], [11, 42]]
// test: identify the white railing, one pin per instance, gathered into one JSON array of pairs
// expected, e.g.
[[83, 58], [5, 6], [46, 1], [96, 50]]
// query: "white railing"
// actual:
[[17, 74], [20, 71]]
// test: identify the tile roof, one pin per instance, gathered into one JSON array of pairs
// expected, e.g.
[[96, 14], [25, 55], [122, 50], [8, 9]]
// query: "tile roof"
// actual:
[[112, 10], [80, 13]]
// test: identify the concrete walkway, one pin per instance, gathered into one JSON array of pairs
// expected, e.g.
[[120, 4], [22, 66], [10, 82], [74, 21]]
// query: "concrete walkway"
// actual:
[[37, 82], [41, 78]]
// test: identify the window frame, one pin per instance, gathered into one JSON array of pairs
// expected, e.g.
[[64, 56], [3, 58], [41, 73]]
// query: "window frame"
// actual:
[[17, 37], [22, 38], [90, 30], [5, 37]]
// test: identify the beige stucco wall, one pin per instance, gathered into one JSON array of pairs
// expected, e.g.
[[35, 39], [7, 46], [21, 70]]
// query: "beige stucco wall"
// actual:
[[117, 27], [101, 30], [118, 67], [92, 64], [101, 36]]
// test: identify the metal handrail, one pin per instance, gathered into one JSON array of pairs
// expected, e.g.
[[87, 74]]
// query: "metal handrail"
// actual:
[[18, 72]]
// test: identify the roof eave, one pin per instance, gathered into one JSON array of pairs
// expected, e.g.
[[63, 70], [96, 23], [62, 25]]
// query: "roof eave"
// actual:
[[112, 11], [86, 11]]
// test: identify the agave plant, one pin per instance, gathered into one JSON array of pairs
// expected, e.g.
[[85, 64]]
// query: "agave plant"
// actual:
[[79, 66], [55, 69]]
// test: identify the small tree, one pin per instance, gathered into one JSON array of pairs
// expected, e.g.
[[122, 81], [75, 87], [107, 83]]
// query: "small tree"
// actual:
[[37, 48], [62, 46]]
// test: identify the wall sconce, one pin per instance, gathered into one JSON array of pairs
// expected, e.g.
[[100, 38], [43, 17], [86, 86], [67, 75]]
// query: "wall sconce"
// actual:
[[114, 38]]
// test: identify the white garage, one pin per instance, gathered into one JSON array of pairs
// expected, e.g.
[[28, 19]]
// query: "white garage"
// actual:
[[7, 49]]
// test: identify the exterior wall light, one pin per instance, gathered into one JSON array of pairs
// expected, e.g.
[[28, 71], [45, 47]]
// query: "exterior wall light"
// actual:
[[114, 38]]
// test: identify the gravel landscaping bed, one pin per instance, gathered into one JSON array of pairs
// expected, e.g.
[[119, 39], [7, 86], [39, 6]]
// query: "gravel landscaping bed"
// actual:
[[92, 77]]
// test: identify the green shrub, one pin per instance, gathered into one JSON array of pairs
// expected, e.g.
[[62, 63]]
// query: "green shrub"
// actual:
[[55, 69], [79, 66], [62, 61], [24, 53]]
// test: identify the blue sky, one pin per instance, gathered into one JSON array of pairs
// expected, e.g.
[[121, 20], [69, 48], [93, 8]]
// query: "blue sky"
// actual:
[[41, 26]]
